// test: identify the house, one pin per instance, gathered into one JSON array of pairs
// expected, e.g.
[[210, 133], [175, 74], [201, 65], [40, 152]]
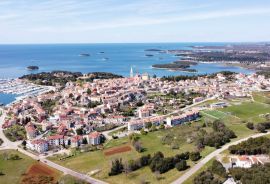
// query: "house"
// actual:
[[39, 145], [94, 138], [31, 131], [186, 117], [55, 140], [76, 141]]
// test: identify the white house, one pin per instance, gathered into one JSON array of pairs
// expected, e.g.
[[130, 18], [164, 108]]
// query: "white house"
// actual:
[[39, 145]]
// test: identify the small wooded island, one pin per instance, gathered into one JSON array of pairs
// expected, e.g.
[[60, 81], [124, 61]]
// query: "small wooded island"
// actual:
[[177, 65], [32, 68]]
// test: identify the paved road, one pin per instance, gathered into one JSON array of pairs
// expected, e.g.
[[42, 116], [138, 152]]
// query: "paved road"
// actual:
[[106, 133], [200, 164], [14, 145]]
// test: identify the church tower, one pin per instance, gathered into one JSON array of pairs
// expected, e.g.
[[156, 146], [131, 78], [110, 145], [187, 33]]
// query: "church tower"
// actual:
[[131, 72]]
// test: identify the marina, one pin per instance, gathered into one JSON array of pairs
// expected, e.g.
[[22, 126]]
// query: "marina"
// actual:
[[15, 89]]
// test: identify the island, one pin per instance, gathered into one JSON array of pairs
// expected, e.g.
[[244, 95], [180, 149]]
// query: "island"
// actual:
[[85, 54], [177, 65], [32, 68]]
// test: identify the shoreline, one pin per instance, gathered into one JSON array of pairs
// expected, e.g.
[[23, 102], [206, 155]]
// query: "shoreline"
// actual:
[[173, 70]]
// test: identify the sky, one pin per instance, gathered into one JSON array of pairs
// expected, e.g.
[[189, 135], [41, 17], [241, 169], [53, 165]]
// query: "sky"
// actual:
[[132, 21]]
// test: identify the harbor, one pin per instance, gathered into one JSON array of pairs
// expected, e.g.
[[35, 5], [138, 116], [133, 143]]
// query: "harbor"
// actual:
[[12, 90]]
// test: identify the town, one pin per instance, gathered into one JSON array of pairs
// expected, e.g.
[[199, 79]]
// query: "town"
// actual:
[[79, 113], [87, 115]]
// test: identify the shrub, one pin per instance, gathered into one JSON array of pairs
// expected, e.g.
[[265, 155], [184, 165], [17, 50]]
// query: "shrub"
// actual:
[[194, 156], [117, 167], [181, 166], [250, 125]]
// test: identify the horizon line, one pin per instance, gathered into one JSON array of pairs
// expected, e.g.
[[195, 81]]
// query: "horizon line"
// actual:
[[88, 43]]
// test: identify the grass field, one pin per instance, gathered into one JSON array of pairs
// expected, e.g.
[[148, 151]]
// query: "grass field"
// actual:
[[248, 111], [261, 97], [215, 114], [13, 169]]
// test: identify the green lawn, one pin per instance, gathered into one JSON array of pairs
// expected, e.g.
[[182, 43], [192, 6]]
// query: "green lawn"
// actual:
[[262, 97], [215, 113], [13, 169], [249, 111]]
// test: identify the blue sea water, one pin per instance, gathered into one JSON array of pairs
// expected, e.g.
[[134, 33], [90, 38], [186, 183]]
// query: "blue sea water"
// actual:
[[15, 58]]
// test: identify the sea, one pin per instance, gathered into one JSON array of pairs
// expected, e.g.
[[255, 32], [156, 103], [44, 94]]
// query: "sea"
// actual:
[[115, 58]]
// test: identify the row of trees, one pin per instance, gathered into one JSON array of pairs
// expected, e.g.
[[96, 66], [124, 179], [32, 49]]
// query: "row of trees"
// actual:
[[252, 146], [195, 77], [260, 127], [257, 174], [158, 163]]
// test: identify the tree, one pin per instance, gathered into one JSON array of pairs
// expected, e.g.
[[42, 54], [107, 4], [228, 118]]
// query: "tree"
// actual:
[[260, 127], [250, 125], [88, 91], [117, 167], [145, 160], [84, 141], [24, 143], [148, 125], [217, 168], [181, 166], [143, 132], [79, 131], [194, 156], [206, 177], [133, 137], [162, 126], [153, 128], [138, 146]]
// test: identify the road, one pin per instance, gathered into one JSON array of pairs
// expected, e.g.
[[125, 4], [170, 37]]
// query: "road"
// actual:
[[212, 155], [14, 145], [106, 133]]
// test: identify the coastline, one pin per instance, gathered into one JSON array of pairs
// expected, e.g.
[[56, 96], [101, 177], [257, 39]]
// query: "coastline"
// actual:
[[173, 70]]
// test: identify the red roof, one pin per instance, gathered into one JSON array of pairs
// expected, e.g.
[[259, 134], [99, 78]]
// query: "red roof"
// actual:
[[94, 135], [30, 128], [53, 137]]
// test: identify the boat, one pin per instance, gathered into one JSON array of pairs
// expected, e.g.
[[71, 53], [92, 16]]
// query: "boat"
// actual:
[[32, 68], [105, 59], [149, 55]]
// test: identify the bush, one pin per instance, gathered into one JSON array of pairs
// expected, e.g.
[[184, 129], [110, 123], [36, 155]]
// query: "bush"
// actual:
[[181, 166], [206, 177], [260, 128], [117, 167], [194, 156], [250, 125]]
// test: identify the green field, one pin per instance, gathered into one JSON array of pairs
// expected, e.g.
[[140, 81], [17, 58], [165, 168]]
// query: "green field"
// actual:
[[248, 111], [13, 169], [261, 97], [215, 114]]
